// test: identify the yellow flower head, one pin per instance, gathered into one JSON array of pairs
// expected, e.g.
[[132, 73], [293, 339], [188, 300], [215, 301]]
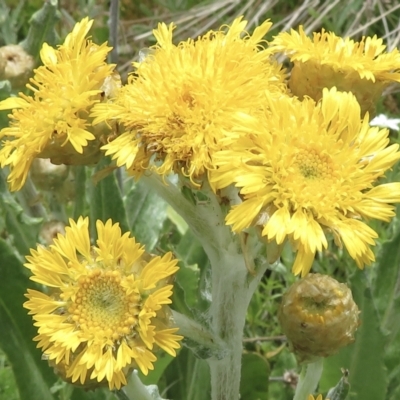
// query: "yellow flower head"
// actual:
[[319, 397], [180, 101], [105, 310], [308, 168], [327, 60], [53, 123]]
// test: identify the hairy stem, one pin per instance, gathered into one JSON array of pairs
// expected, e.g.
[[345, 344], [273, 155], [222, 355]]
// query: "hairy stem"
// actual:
[[136, 390], [309, 378], [232, 289], [233, 282]]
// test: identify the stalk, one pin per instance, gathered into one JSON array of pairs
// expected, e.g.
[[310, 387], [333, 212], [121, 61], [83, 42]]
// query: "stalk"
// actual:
[[232, 284], [231, 293], [308, 380]]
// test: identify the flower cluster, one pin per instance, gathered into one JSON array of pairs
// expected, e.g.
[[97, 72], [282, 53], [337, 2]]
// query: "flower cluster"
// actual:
[[305, 160], [105, 310]]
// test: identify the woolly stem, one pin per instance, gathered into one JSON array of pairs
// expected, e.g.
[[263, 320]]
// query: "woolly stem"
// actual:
[[232, 289], [232, 284], [198, 337], [308, 380], [136, 390]]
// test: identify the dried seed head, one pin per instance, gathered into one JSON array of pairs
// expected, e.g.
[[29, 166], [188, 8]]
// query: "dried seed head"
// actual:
[[318, 316]]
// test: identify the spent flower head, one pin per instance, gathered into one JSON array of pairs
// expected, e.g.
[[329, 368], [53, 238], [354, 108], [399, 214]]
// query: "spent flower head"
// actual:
[[305, 169], [327, 60], [54, 123], [105, 309], [180, 101], [319, 316]]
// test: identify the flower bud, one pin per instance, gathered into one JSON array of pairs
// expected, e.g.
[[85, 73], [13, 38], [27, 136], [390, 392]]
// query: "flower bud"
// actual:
[[310, 78], [48, 176], [15, 65], [318, 316], [50, 230]]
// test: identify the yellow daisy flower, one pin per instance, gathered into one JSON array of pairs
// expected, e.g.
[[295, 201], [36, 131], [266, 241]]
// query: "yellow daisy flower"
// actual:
[[319, 397], [327, 60], [105, 310], [53, 123], [179, 102], [308, 168]]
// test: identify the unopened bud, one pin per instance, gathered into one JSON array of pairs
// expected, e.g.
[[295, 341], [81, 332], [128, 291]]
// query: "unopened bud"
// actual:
[[318, 316], [48, 176], [50, 231], [16, 65]]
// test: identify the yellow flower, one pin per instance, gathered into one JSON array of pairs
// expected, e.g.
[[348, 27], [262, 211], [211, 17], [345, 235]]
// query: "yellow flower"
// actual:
[[319, 397], [180, 101], [327, 60], [105, 310], [308, 168], [54, 122]]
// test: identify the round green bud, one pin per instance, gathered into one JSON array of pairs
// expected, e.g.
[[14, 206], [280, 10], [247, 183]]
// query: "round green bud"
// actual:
[[319, 316]]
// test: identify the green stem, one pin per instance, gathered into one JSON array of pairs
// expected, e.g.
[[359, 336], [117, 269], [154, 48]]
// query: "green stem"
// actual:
[[308, 380], [136, 390], [206, 220], [198, 338], [30, 200], [232, 289], [232, 284], [113, 35], [41, 28], [80, 190]]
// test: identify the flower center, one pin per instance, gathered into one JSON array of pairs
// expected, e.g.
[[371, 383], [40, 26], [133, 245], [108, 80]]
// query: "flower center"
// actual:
[[314, 165], [103, 307], [322, 307]]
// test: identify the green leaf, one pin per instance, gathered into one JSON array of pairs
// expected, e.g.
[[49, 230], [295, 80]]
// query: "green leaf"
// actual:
[[8, 387], [106, 200], [341, 390], [385, 289], [80, 191], [392, 356], [42, 28], [21, 228], [185, 295], [191, 291], [254, 377], [97, 394], [365, 357], [195, 260], [387, 298], [187, 377], [191, 252], [146, 214], [33, 376], [163, 360], [5, 90]]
